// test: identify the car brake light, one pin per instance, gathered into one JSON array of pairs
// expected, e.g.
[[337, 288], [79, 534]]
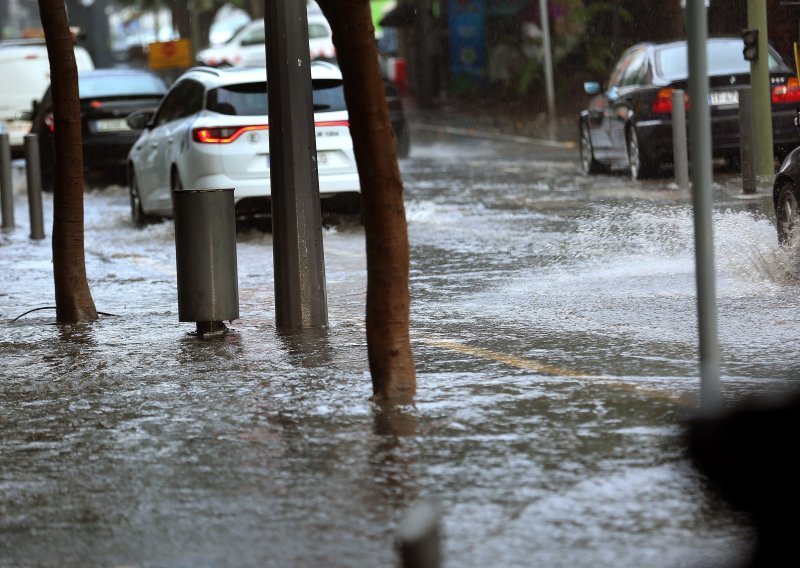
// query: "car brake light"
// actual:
[[96, 104], [788, 93], [48, 122], [223, 134], [663, 102], [227, 134]]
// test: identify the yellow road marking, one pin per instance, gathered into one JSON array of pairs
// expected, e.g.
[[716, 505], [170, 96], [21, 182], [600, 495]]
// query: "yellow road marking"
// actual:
[[532, 365]]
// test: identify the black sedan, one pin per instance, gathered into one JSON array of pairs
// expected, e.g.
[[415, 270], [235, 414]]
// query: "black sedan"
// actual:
[[107, 97], [786, 194], [629, 125]]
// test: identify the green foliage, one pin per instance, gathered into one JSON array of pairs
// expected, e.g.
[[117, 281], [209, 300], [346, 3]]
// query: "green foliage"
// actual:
[[599, 43]]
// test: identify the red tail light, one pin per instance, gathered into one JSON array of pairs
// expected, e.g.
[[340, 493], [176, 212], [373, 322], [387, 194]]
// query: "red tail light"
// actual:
[[345, 123], [96, 104], [227, 134], [788, 93], [663, 102], [223, 134]]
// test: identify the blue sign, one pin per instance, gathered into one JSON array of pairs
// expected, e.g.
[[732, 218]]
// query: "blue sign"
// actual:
[[467, 22]]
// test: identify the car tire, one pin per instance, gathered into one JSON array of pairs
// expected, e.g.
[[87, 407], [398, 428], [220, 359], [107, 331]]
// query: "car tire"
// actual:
[[786, 211], [639, 167], [403, 143], [138, 216], [175, 180], [588, 163]]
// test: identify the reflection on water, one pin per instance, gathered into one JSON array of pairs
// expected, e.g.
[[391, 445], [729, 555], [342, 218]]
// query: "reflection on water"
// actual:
[[548, 419]]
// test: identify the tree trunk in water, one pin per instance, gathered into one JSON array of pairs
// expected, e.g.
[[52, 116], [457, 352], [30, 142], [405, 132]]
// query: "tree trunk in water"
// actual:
[[73, 299], [390, 359]]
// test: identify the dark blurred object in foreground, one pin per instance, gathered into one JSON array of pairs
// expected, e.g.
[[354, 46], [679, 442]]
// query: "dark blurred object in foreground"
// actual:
[[748, 456]]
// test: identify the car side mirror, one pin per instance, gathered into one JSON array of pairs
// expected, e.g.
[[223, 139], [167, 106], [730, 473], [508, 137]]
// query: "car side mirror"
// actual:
[[139, 120], [591, 87], [24, 115]]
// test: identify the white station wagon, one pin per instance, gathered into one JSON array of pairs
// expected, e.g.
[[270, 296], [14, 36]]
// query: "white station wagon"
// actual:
[[211, 130]]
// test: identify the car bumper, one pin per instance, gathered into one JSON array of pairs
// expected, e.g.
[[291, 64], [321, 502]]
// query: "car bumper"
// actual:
[[655, 136]]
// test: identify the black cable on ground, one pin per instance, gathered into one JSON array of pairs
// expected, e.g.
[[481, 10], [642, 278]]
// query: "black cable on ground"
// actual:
[[53, 308]]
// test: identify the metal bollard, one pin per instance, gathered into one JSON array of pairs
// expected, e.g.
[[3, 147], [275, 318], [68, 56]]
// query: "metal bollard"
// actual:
[[680, 148], [6, 189], [33, 173], [205, 254], [746, 140], [418, 537]]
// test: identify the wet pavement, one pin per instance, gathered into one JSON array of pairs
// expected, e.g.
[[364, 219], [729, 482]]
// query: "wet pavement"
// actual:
[[554, 331]]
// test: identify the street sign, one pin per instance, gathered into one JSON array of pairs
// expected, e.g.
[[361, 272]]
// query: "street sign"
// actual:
[[169, 55]]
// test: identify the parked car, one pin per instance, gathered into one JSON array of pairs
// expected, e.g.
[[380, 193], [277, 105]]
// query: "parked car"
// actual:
[[212, 131], [398, 117], [628, 125], [246, 47], [107, 97], [786, 193], [25, 69]]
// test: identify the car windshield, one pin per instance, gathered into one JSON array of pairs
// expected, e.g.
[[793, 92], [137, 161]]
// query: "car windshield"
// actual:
[[250, 99], [723, 58], [120, 85]]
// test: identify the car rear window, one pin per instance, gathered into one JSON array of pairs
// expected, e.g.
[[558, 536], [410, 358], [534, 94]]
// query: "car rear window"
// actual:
[[723, 58], [120, 85], [250, 99]]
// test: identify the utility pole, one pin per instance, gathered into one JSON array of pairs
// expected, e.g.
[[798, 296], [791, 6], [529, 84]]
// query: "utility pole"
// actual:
[[703, 201], [548, 68], [300, 294], [762, 103]]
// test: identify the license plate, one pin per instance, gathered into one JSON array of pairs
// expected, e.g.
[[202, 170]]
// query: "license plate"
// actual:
[[111, 125], [723, 98]]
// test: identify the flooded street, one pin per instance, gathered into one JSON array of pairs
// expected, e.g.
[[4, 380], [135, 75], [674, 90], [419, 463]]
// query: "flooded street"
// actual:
[[554, 331]]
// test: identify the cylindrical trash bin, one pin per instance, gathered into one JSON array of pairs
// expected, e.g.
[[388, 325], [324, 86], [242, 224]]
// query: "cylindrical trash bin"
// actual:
[[205, 251]]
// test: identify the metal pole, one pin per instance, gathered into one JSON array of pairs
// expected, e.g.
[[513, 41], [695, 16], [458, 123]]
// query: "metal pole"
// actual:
[[6, 189], [548, 67], [205, 256], [418, 537], [746, 140], [300, 295], [34, 177], [702, 198], [762, 95], [680, 149]]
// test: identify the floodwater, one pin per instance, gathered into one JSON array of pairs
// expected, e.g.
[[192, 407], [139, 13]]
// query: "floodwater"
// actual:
[[554, 331]]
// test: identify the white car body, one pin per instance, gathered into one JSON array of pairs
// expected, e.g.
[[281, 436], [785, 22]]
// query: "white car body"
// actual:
[[202, 148], [246, 47], [25, 67]]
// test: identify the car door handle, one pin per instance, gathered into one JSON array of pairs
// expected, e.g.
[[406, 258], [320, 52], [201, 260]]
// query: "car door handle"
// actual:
[[169, 140]]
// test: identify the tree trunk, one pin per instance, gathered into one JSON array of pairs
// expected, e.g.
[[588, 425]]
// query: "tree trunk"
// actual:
[[390, 359], [73, 299], [255, 8]]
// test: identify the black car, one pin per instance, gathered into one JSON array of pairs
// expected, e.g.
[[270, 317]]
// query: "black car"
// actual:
[[786, 193], [398, 118], [107, 97], [629, 125]]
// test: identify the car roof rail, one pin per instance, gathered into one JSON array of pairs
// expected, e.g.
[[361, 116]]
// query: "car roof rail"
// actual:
[[206, 69]]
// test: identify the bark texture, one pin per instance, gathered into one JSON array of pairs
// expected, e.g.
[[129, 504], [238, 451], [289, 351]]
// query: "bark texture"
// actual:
[[391, 362], [73, 299]]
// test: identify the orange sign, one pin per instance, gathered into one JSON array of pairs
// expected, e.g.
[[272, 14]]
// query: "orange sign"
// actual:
[[169, 55]]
